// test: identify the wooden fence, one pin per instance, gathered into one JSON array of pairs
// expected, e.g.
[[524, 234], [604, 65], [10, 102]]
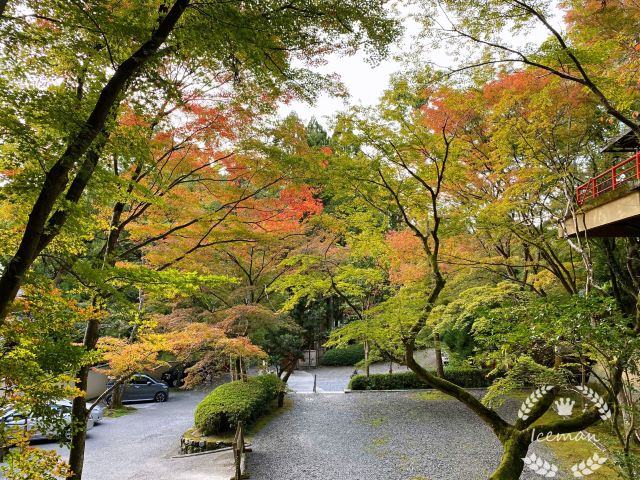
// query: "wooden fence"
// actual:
[[239, 449]]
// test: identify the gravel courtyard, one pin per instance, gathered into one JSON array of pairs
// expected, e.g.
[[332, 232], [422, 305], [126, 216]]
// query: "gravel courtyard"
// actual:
[[142, 445], [379, 436]]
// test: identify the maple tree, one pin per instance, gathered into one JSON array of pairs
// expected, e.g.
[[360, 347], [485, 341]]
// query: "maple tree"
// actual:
[[497, 165], [153, 206], [132, 126], [108, 40]]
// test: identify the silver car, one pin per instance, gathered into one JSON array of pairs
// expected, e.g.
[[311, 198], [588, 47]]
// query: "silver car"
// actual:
[[35, 425], [96, 414]]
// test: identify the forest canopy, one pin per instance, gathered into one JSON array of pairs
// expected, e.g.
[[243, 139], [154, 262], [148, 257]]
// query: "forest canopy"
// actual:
[[156, 208]]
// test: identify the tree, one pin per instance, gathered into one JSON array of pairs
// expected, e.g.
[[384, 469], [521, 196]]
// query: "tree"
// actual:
[[582, 55], [37, 355], [416, 145], [130, 50], [316, 135], [106, 66]]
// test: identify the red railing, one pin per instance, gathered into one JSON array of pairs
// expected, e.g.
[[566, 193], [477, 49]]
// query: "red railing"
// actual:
[[609, 180]]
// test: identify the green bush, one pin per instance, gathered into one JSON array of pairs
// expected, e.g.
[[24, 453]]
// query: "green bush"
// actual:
[[343, 357], [221, 410], [463, 377]]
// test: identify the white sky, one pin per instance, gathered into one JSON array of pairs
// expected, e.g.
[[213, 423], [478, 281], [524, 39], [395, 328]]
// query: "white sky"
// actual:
[[366, 83]]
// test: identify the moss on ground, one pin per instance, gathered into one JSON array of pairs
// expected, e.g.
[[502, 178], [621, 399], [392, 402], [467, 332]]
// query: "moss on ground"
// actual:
[[571, 452], [432, 396], [376, 421], [119, 412]]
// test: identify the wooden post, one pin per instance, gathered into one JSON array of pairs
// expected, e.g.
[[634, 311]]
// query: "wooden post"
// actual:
[[238, 452], [315, 381], [366, 358]]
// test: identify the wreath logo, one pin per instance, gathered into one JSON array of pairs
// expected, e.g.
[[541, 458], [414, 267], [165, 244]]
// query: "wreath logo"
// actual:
[[564, 407]]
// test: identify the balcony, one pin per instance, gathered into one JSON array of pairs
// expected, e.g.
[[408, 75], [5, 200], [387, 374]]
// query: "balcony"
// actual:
[[614, 178], [609, 203]]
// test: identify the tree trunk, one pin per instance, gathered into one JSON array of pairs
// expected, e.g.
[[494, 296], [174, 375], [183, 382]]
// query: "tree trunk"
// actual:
[[238, 368], [57, 178], [511, 464], [117, 396], [289, 370], [438, 349], [79, 416], [79, 412], [331, 323]]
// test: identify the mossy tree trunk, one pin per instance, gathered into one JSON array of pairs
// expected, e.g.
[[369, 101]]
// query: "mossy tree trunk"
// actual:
[[515, 438], [511, 463]]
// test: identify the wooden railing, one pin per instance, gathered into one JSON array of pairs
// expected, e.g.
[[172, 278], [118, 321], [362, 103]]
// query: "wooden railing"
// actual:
[[239, 449], [609, 180]]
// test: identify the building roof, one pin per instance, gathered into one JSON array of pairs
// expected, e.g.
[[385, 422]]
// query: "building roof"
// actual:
[[626, 142]]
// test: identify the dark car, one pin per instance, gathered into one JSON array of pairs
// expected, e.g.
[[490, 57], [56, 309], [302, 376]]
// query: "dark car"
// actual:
[[142, 387]]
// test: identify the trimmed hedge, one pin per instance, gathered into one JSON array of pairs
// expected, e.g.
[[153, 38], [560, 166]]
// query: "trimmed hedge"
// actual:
[[463, 377], [221, 410], [343, 357]]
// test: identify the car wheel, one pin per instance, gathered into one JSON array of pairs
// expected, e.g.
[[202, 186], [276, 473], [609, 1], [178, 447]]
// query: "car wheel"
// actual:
[[160, 397]]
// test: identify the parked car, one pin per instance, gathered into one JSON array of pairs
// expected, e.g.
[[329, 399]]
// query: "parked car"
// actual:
[[36, 425], [96, 414], [142, 387]]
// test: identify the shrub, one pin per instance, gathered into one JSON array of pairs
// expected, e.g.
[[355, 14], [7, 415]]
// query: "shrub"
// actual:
[[223, 408], [463, 377], [343, 357]]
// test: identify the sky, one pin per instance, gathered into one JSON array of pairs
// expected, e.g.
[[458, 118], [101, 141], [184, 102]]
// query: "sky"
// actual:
[[366, 83]]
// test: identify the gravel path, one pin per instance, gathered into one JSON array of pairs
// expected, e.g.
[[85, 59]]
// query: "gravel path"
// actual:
[[374, 436], [336, 379], [141, 445]]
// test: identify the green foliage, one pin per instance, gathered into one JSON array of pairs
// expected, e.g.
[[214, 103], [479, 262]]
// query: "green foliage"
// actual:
[[232, 402], [463, 377], [283, 343], [343, 357], [525, 373], [316, 135]]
